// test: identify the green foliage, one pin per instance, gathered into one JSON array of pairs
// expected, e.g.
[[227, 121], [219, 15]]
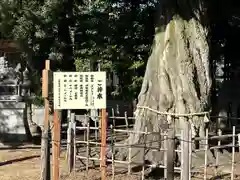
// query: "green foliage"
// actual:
[[117, 34], [42, 29], [38, 101], [82, 65], [137, 64]]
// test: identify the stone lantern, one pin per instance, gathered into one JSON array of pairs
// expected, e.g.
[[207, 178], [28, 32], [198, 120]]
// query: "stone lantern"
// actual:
[[15, 96], [26, 83]]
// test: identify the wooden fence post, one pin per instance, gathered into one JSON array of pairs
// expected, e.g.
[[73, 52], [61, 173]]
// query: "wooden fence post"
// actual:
[[56, 144], [70, 142], [74, 141], [205, 155], [165, 147], [182, 153], [171, 149], [190, 151], [45, 148], [103, 143], [185, 163], [233, 151], [68, 135]]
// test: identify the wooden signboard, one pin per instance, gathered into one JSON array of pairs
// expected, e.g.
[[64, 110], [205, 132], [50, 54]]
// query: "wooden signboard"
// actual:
[[79, 90]]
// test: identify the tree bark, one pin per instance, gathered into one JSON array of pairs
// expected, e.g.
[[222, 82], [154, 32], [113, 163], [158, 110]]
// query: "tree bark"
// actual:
[[177, 77]]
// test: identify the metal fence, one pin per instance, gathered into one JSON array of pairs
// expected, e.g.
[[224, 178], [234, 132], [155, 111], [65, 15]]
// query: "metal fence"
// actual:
[[84, 150]]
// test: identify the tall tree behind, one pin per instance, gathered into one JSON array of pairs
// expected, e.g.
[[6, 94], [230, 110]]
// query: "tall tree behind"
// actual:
[[177, 77]]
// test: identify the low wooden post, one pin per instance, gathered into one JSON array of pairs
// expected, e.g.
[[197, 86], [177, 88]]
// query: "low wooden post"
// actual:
[[113, 118], [165, 147], [233, 152], [71, 143], [74, 142], [87, 147], [129, 157], [103, 144], [217, 154], [205, 156], [96, 126], [45, 148], [185, 163], [126, 120], [144, 153], [171, 150], [238, 142], [113, 151], [56, 144], [182, 153], [68, 135], [190, 152]]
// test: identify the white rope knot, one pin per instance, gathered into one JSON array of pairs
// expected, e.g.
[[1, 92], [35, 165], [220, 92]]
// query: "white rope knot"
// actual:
[[205, 119], [169, 119]]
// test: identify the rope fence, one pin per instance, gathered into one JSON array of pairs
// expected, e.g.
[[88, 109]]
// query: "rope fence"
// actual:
[[83, 147]]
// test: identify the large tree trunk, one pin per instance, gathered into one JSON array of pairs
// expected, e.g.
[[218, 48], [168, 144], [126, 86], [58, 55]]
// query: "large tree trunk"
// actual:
[[177, 77]]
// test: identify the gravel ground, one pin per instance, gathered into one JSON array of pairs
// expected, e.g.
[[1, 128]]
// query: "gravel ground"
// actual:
[[24, 164]]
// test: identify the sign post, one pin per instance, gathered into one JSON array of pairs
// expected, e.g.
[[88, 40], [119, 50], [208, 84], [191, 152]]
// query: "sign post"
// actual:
[[103, 143], [45, 149], [56, 144], [83, 90]]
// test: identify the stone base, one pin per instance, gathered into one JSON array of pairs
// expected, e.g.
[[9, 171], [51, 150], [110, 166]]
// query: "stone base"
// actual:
[[12, 123], [13, 139]]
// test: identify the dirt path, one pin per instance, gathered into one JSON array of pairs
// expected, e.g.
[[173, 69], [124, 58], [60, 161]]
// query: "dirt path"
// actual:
[[24, 164], [20, 164]]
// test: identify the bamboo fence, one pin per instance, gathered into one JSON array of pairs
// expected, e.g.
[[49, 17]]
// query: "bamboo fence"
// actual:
[[91, 142]]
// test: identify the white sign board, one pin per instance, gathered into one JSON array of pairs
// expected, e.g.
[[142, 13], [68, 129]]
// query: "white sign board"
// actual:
[[79, 90]]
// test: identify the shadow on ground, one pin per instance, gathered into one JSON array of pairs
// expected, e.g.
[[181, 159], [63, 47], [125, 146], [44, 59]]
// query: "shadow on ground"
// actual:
[[18, 160]]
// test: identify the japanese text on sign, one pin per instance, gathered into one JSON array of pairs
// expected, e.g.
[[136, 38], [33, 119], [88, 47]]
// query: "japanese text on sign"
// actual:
[[79, 90]]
